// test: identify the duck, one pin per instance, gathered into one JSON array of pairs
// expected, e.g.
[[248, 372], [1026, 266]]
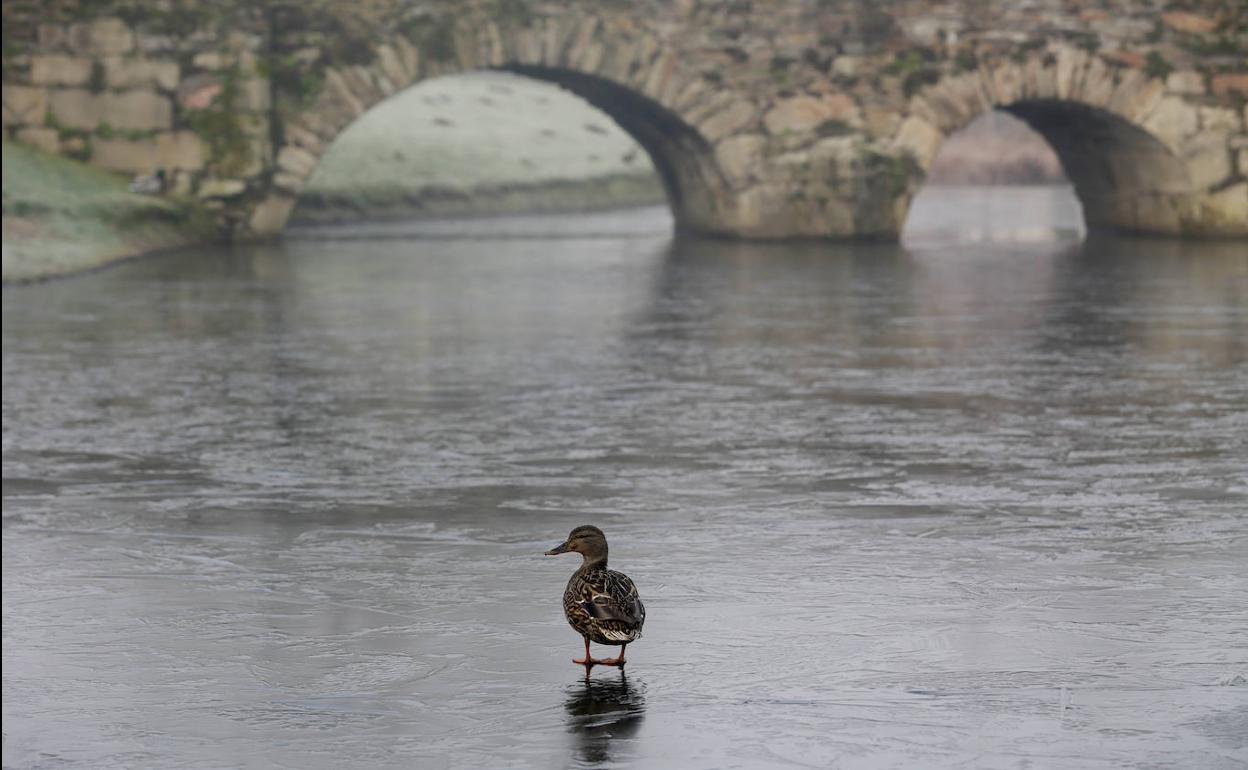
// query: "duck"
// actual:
[[152, 184], [601, 605]]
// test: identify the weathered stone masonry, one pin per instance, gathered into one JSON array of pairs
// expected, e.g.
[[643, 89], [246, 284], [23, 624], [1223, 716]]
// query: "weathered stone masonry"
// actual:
[[765, 119]]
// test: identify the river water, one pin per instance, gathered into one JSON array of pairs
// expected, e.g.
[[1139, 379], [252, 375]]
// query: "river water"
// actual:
[[969, 505]]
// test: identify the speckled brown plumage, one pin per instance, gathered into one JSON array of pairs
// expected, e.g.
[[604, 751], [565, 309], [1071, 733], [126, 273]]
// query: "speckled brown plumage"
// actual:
[[602, 605]]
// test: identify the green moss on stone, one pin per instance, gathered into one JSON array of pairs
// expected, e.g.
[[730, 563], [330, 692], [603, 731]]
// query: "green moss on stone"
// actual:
[[220, 125], [1156, 66]]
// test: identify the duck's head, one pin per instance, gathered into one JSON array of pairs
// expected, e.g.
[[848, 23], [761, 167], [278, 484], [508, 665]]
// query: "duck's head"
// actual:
[[586, 540]]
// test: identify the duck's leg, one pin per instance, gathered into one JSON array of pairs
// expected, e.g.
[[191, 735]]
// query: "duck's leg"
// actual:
[[615, 661], [587, 661]]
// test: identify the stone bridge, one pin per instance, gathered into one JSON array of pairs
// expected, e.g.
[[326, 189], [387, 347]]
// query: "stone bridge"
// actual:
[[765, 119]]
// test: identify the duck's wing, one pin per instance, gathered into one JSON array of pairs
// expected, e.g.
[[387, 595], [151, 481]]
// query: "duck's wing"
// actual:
[[612, 596]]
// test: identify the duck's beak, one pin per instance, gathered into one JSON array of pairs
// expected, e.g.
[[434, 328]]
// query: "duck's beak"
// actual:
[[561, 548]]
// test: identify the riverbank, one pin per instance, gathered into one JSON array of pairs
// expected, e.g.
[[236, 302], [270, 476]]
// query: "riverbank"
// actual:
[[479, 144], [61, 217], [618, 191]]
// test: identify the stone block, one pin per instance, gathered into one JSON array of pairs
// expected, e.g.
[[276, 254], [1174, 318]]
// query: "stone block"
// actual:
[[920, 138], [288, 182], [801, 114], [141, 73], [75, 147], [169, 150], [1172, 121], [24, 106], [338, 89], [847, 66], [221, 188], [1190, 23], [659, 76], [209, 60], [58, 70], [182, 183], [305, 138], [392, 66], [270, 216], [737, 115], [737, 155], [1219, 119], [1098, 84], [157, 44], [880, 121], [1226, 211], [45, 139], [1133, 59], [254, 94], [1141, 101], [1208, 161], [296, 160], [129, 110], [1185, 82], [838, 156], [1229, 82], [102, 37], [52, 36], [1070, 65]]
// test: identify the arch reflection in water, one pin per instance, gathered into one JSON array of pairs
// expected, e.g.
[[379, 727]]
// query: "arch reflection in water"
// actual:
[[604, 715]]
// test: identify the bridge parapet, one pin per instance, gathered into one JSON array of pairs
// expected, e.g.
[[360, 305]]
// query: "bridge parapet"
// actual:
[[765, 120]]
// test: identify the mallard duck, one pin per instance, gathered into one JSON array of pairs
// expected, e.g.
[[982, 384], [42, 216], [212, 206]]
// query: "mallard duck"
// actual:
[[152, 184], [601, 605]]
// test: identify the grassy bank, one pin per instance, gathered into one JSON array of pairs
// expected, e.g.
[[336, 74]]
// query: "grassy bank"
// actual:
[[558, 195], [482, 143], [61, 216]]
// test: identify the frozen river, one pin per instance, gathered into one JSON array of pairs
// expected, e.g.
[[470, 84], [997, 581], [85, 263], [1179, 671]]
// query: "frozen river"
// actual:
[[966, 506]]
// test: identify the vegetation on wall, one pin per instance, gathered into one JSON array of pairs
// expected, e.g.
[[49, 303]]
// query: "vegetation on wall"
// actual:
[[220, 125]]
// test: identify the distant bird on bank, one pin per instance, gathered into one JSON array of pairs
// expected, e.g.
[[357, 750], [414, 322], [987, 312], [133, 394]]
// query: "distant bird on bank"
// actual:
[[601, 605], [152, 184]]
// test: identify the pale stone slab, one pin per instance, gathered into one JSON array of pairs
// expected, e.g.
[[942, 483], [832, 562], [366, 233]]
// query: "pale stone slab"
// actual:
[[1208, 161], [296, 160], [920, 138], [1219, 119], [24, 105], [58, 70], [1191, 23], [1227, 210], [288, 182], [141, 73], [221, 188], [1185, 82], [736, 155], [170, 150], [270, 216], [132, 110], [1172, 121], [801, 114], [102, 37], [45, 139]]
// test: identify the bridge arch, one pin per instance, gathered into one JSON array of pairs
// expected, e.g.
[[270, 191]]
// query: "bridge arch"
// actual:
[[766, 120], [1139, 159], [632, 77]]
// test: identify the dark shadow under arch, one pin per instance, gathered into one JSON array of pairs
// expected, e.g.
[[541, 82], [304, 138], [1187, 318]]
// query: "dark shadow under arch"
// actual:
[[1123, 175], [681, 156]]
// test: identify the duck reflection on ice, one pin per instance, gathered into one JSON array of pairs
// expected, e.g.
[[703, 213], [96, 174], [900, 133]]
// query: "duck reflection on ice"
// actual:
[[602, 712]]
